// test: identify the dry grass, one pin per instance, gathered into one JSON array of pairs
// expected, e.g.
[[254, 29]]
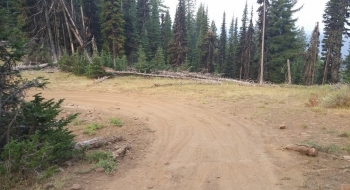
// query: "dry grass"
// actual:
[[182, 88]]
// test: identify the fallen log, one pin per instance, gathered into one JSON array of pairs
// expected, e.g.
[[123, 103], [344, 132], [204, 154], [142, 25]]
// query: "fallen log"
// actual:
[[101, 79], [29, 67], [120, 152], [98, 142], [303, 149]]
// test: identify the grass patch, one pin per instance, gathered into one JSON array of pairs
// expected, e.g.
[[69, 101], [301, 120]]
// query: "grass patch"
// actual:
[[345, 134], [92, 128], [116, 122], [102, 159], [338, 99], [330, 149]]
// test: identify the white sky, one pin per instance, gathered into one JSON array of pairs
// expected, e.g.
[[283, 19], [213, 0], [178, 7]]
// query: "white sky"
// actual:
[[310, 14]]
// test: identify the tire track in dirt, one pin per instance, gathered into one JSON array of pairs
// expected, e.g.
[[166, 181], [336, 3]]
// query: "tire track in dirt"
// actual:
[[195, 147]]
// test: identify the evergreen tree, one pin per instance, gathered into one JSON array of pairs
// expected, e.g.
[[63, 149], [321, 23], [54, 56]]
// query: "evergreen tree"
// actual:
[[178, 47], [264, 6], [222, 45], [142, 16], [249, 50], [297, 65], [166, 35], [153, 29], [229, 64], [191, 37], [130, 30], [281, 43], [93, 27], [334, 19], [311, 57], [242, 48], [209, 45], [346, 71], [202, 27], [112, 28]]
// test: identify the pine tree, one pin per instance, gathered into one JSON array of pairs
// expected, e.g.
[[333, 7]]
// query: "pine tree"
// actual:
[[262, 22], [281, 43], [153, 28], [166, 35], [242, 42], [249, 50], [311, 57], [202, 27], [229, 64], [178, 49], [191, 37], [130, 30], [222, 45], [334, 19], [142, 16], [346, 71], [113, 28], [209, 45], [93, 28]]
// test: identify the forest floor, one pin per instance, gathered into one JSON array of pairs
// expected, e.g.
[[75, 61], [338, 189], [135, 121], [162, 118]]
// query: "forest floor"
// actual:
[[204, 136]]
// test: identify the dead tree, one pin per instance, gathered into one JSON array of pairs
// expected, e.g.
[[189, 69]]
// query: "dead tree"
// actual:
[[311, 57]]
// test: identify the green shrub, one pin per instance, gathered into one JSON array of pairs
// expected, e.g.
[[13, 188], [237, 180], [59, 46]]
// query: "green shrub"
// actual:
[[102, 159], [121, 63], [40, 144], [116, 121], [91, 129], [66, 62], [95, 69], [107, 60], [338, 99], [96, 156], [333, 148], [79, 64]]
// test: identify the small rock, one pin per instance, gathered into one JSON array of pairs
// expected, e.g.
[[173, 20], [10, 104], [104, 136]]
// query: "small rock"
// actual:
[[345, 187], [48, 186], [345, 171], [150, 187], [283, 126], [99, 169], [346, 157], [117, 147], [61, 169], [76, 187], [218, 176], [136, 118]]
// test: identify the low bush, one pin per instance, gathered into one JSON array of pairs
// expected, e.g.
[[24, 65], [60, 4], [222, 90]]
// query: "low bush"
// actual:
[[338, 99], [91, 129], [116, 122], [39, 144], [102, 159]]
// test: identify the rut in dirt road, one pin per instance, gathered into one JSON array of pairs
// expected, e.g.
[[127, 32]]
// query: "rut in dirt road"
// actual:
[[194, 148]]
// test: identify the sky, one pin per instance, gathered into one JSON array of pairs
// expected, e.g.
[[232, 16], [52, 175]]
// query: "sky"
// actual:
[[311, 12]]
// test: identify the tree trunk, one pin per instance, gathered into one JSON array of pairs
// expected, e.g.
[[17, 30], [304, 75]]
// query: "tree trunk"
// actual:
[[69, 33], [52, 45], [262, 47], [325, 73], [289, 73]]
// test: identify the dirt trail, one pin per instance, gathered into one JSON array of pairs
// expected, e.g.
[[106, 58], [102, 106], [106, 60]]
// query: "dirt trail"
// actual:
[[195, 147]]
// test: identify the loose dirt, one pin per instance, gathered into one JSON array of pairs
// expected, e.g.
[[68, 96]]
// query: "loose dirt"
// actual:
[[212, 143], [195, 146]]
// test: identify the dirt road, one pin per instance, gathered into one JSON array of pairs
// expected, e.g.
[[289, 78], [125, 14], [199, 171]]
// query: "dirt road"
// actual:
[[196, 146]]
